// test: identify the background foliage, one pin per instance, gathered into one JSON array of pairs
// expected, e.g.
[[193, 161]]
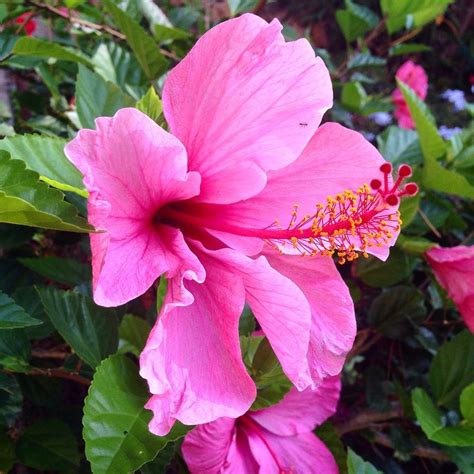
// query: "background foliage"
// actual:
[[71, 399]]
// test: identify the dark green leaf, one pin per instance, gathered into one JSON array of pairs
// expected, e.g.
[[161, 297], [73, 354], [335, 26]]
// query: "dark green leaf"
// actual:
[[453, 369], [7, 453], [11, 400], [27, 201], [365, 60], [356, 465], [133, 332], [467, 403], [36, 47], [63, 270], [408, 48], [399, 145], [429, 418], [146, 50], [13, 316], [12, 236], [92, 331], [96, 97], [463, 457], [15, 350], [116, 422], [374, 272], [45, 155], [48, 445], [329, 436], [272, 383]]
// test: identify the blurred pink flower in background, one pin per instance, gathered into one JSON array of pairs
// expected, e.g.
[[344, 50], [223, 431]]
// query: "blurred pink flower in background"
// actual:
[[199, 205], [277, 439], [414, 76], [454, 270], [29, 24]]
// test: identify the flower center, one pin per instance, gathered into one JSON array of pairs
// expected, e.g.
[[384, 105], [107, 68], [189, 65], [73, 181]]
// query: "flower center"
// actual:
[[347, 223], [255, 428]]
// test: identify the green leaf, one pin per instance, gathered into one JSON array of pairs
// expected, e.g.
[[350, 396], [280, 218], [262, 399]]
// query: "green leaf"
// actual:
[[408, 48], [355, 20], [7, 453], [434, 175], [411, 13], [399, 145], [62, 270], [356, 465], [161, 293], [165, 33], [96, 97], [432, 144], [330, 437], [13, 236], [452, 369], [467, 403], [354, 97], [417, 246], [39, 48], [146, 50], [13, 316], [272, 383], [91, 330], [48, 445], [396, 311], [45, 155], [133, 333], [150, 104], [408, 209], [462, 457], [429, 418], [29, 299], [378, 274], [118, 65], [365, 60], [240, 6], [116, 423], [11, 400], [27, 201], [15, 350]]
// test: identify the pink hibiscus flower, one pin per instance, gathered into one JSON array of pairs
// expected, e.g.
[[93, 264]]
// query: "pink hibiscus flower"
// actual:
[[454, 270], [413, 76], [276, 439], [211, 208]]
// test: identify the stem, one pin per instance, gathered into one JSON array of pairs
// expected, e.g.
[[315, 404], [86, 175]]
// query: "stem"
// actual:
[[89, 24], [420, 451], [58, 373], [365, 419]]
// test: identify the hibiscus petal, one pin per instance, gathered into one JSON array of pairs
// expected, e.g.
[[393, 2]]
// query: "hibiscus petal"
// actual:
[[335, 159], [192, 359], [206, 447], [333, 324], [131, 168], [243, 101], [454, 270], [280, 307], [301, 412], [303, 453]]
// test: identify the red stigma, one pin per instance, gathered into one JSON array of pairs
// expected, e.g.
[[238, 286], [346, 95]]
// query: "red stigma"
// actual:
[[375, 184], [411, 189], [404, 171], [391, 200]]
